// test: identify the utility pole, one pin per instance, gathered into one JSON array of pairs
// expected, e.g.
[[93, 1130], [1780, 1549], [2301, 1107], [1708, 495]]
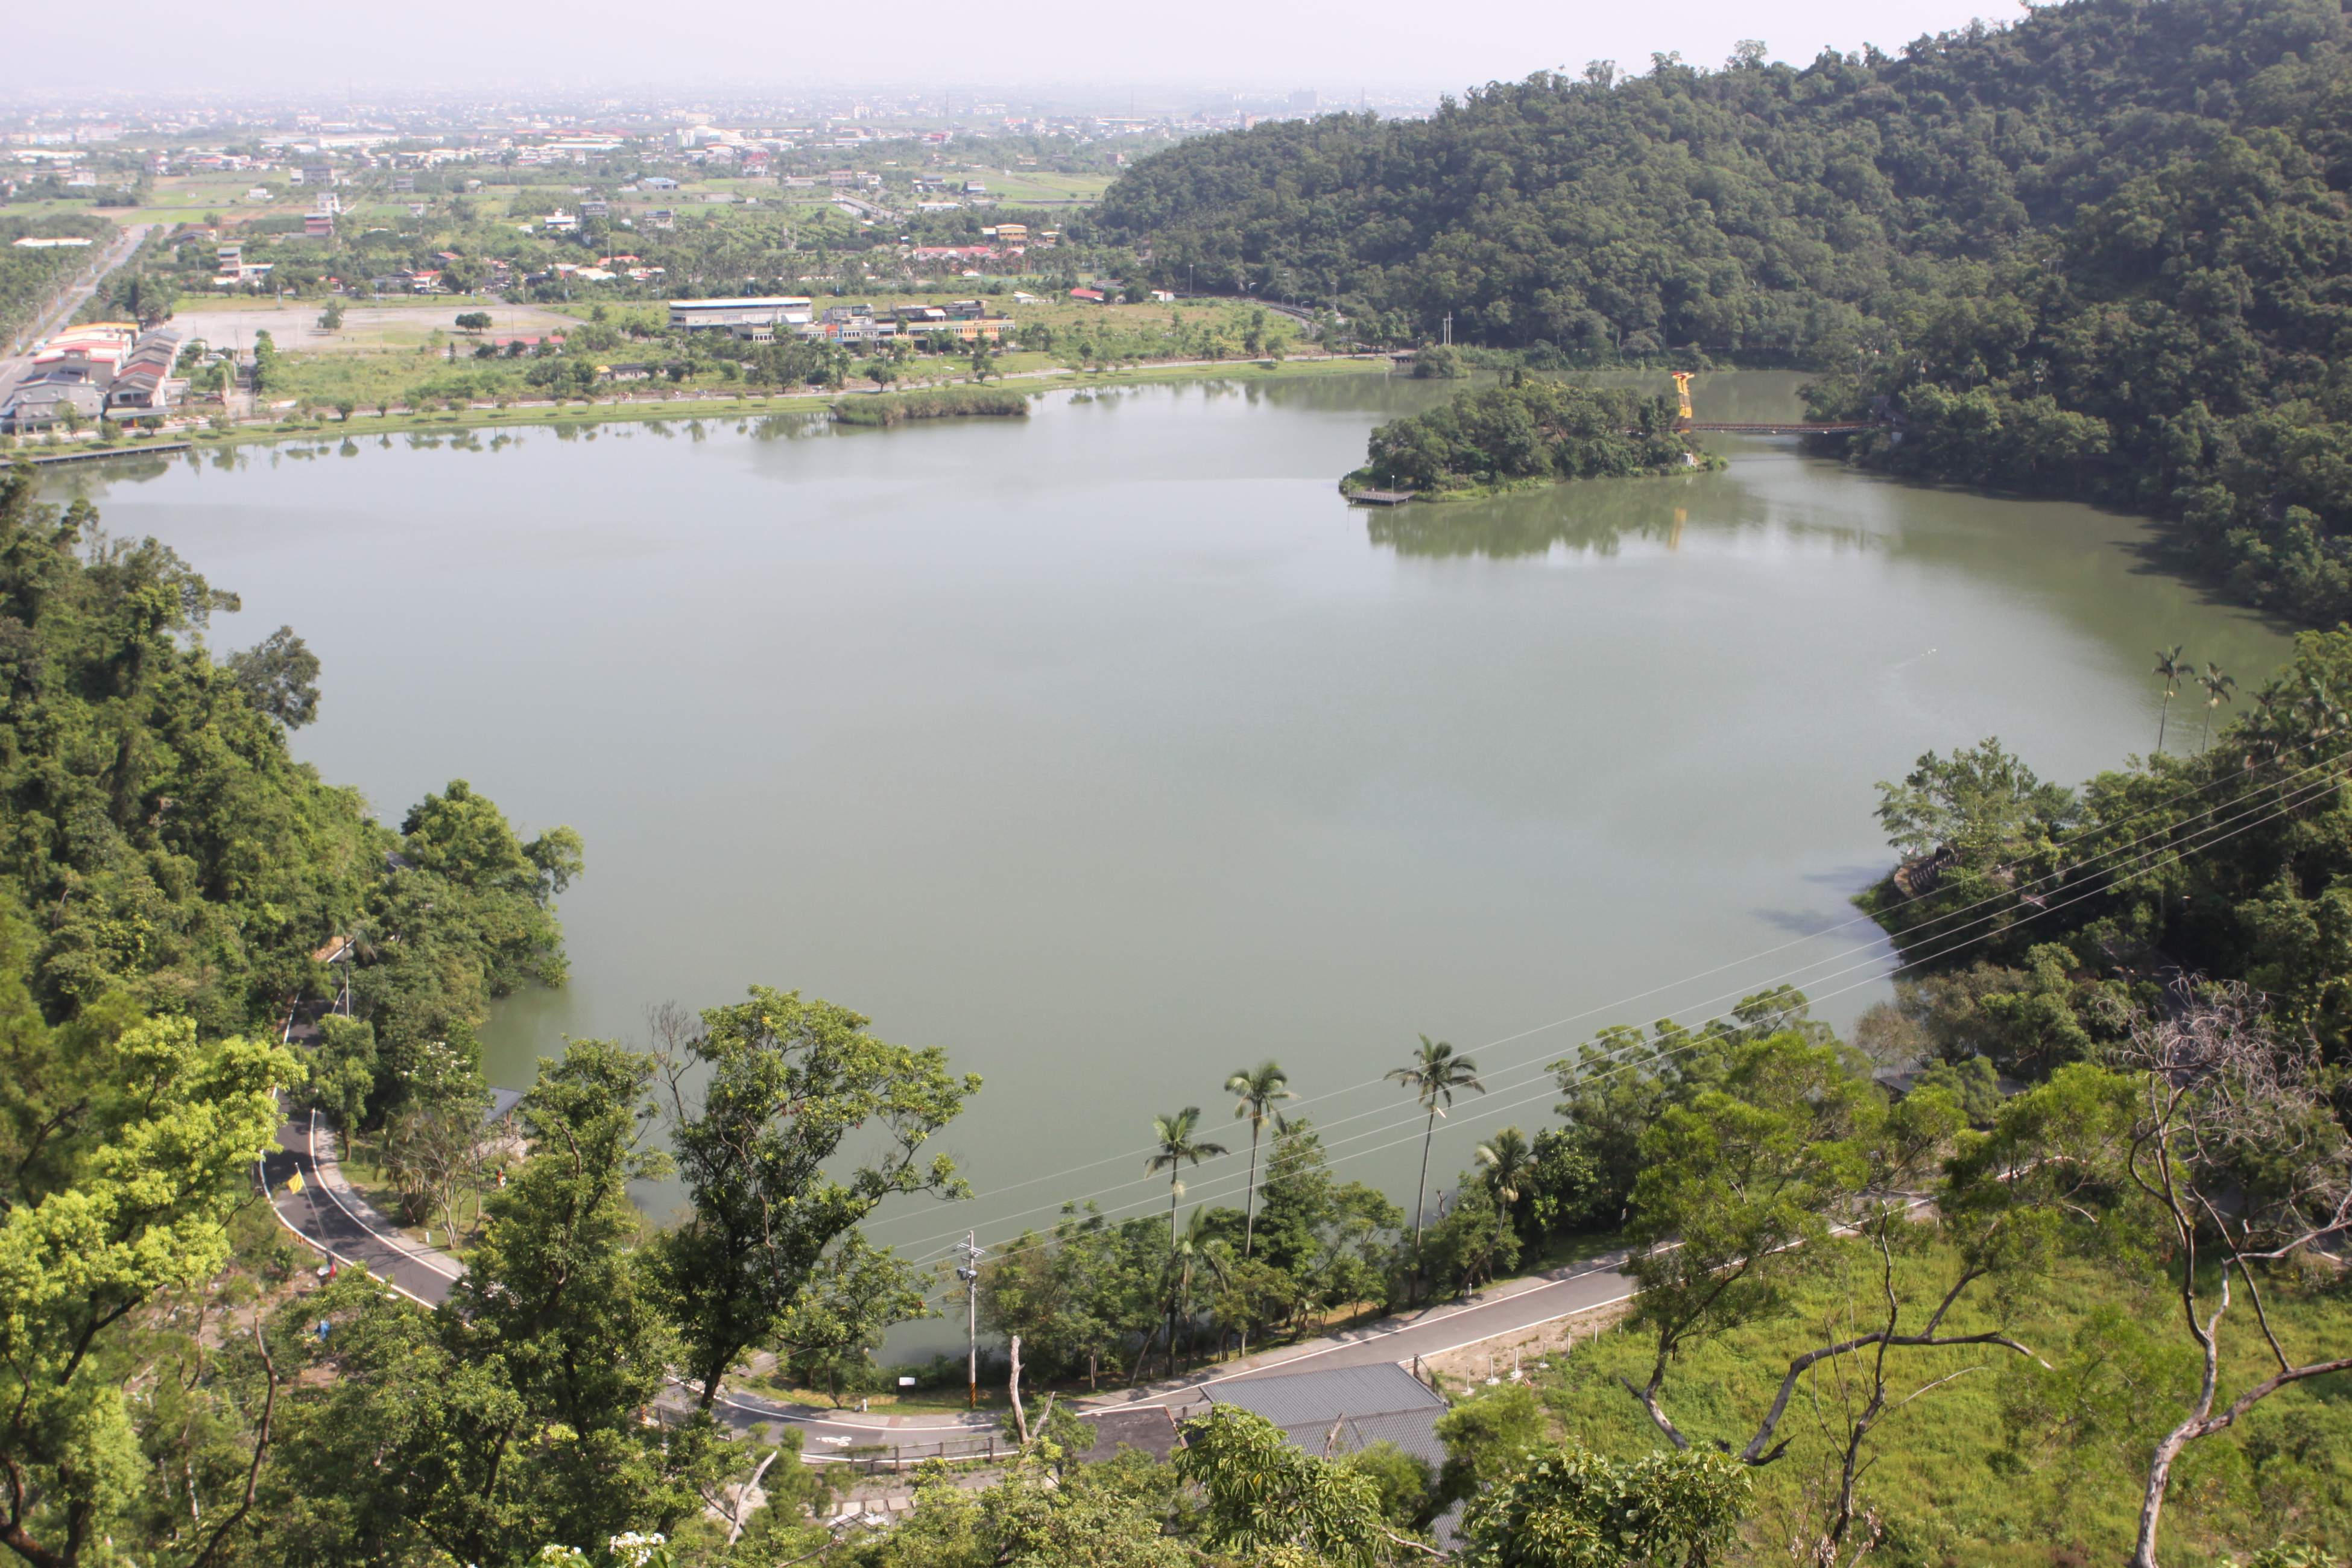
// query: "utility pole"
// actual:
[[969, 1272]]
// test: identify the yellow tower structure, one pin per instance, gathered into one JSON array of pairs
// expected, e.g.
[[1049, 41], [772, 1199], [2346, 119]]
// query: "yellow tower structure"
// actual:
[[1682, 395]]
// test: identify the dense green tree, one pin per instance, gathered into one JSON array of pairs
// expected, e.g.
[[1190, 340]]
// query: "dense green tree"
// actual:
[[1472, 1241], [828, 1336], [280, 676], [1532, 430], [2056, 908], [161, 1155], [2092, 253], [1571, 1508], [762, 1097], [512, 1416], [1489, 1436], [1265, 1494], [1078, 1297], [1114, 1515], [168, 852]]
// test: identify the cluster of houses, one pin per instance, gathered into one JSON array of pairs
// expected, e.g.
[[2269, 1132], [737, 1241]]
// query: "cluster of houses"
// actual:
[[105, 370]]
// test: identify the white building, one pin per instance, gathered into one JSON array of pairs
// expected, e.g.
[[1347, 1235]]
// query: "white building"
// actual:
[[771, 311]]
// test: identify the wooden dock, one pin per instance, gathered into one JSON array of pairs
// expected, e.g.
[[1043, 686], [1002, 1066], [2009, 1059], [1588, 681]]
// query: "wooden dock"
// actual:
[[93, 454], [1379, 498]]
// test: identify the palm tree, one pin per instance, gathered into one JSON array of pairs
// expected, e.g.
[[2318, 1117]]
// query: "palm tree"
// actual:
[[1432, 1076], [1258, 1091], [1177, 1150], [1193, 1251], [2319, 708], [2218, 688], [2173, 668], [1506, 1163]]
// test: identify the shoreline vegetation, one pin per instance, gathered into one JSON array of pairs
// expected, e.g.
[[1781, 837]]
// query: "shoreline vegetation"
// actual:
[[2096, 255], [624, 409], [932, 403], [1488, 441]]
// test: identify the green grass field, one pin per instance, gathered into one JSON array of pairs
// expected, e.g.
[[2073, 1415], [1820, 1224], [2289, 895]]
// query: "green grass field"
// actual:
[[1030, 187], [2008, 1466]]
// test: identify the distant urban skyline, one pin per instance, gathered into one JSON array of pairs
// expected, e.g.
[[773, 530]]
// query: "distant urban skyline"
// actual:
[[1383, 47]]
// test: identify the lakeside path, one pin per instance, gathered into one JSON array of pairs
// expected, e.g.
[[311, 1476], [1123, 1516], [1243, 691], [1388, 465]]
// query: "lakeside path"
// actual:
[[332, 1218]]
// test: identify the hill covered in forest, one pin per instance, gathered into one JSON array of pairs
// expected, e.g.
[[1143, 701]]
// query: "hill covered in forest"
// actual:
[[2103, 252]]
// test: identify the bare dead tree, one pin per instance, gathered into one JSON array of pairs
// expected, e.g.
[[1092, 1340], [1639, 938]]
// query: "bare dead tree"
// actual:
[[1019, 1416], [734, 1502], [1885, 1205], [1867, 1401], [671, 1029], [260, 1448], [2234, 1142]]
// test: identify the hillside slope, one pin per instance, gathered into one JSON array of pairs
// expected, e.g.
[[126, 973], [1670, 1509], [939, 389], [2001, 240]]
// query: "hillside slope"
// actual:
[[2105, 252]]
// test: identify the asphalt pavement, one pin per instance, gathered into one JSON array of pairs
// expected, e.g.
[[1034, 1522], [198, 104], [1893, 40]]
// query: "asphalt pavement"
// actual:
[[323, 1210]]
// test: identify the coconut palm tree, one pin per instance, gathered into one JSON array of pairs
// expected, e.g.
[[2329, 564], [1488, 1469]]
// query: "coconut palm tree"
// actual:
[[2173, 669], [2218, 688], [1431, 1077], [1178, 1148], [1506, 1163], [1258, 1090]]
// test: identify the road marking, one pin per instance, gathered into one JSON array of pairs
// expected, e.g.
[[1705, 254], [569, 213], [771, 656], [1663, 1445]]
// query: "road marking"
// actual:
[[307, 1239], [399, 1244], [1540, 1322], [1383, 1333]]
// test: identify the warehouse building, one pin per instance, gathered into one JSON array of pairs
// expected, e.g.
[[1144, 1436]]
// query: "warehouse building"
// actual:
[[771, 311]]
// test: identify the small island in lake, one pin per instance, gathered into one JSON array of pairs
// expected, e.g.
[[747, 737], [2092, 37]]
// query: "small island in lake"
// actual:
[[1499, 436]]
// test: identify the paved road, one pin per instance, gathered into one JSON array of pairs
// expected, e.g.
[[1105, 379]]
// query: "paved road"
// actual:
[[326, 1213], [335, 1220], [1513, 1306], [13, 366]]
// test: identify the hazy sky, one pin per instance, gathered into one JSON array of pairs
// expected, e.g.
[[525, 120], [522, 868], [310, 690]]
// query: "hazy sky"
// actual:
[[144, 44]]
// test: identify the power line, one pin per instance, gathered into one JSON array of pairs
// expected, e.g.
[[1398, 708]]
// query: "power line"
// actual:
[[1638, 1043], [1485, 1110], [1797, 974], [1626, 1002]]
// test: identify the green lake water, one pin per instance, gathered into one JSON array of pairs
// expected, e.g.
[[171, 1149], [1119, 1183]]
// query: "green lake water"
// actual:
[[1112, 751]]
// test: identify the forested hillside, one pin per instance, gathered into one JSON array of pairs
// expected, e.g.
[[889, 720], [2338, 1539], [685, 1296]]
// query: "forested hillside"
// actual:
[[2101, 252], [161, 850]]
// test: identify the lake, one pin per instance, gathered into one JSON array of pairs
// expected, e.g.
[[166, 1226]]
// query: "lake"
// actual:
[[1112, 751]]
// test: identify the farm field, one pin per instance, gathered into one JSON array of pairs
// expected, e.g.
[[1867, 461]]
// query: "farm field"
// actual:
[[293, 324]]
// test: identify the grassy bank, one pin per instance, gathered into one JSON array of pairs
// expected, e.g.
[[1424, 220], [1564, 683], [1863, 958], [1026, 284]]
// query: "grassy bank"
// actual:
[[2010, 1465]]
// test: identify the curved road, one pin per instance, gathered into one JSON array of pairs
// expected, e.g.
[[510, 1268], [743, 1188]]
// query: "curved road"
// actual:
[[339, 1223], [335, 1220]]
